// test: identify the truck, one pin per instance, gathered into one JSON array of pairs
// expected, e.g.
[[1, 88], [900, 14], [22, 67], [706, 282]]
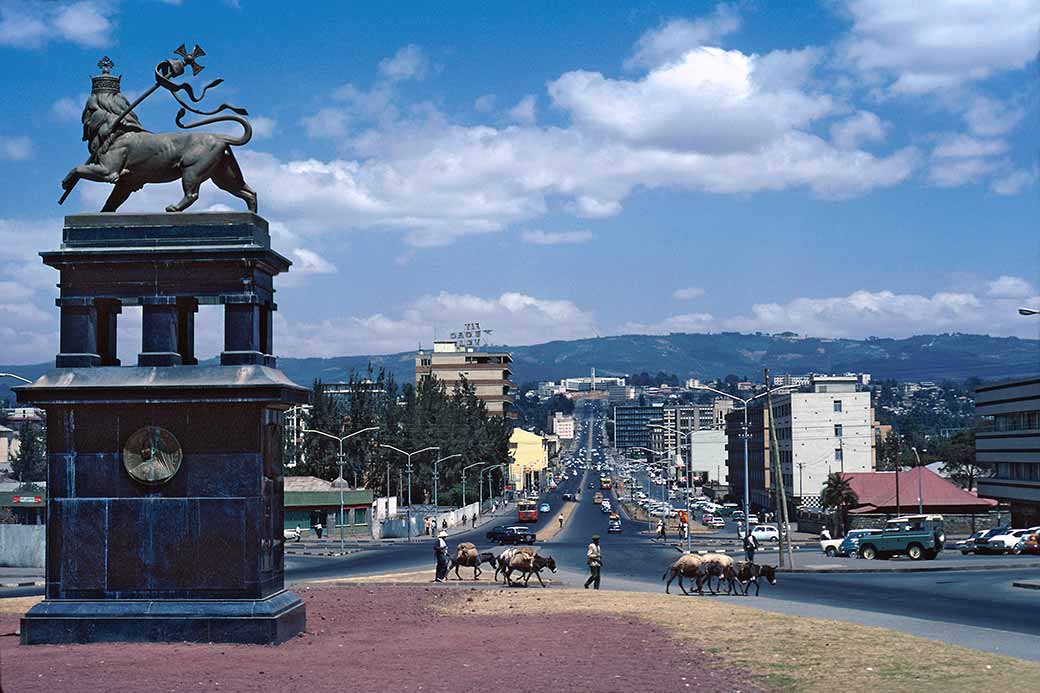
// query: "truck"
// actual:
[[914, 536], [598, 498]]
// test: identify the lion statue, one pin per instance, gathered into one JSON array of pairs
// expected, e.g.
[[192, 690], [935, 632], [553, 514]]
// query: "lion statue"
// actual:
[[131, 156]]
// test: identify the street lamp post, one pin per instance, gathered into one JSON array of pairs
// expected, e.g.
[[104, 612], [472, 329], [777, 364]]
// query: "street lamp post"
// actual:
[[1028, 311], [480, 481], [475, 464], [16, 377], [408, 469], [649, 522], [437, 476], [689, 474], [340, 482], [745, 435], [920, 501]]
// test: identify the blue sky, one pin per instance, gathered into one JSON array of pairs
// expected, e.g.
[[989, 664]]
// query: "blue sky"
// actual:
[[558, 171]]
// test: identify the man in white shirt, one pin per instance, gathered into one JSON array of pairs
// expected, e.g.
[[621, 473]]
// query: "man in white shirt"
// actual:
[[595, 560]]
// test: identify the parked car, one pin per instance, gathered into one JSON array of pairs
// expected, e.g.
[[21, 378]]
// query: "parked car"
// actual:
[[1030, 543], [966, 546], [544, 508], [752, 519], [849, 544], [716, 523], [1003, 542], [915, 536]]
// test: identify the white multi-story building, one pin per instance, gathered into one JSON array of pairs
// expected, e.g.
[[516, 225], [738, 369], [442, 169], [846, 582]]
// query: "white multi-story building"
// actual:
[[829, 429], [709, 455], [563, 426]]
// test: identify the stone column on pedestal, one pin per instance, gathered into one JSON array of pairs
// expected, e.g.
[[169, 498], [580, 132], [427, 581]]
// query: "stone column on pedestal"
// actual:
[[159, 332], [78, 339]]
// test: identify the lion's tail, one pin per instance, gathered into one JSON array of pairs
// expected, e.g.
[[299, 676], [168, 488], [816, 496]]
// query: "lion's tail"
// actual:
[[247, 129]]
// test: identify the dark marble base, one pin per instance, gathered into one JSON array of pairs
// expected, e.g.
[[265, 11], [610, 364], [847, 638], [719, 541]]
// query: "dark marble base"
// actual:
[[263, 622]]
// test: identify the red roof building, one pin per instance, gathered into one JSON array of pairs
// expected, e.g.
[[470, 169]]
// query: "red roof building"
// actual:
[[877, 493]]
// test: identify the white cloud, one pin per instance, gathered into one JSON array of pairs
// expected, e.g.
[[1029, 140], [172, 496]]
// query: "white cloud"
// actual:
[[34, 24], [988, 117], [672, 40], [326, 123], [309, 262], [922, 47], [515, 318], [484, 103], [951, 173], [67, 108], [408, 62], [263, 126], [16, 148], [1013, 183], [962, 159], [688, 294], [963, 146], [857, 129], [525, 111], [1007, 286], [709, 101], [538, 237], [863, 313]]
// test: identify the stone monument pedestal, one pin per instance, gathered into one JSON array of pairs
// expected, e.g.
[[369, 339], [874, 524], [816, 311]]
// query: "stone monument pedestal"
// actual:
[[165, 487]]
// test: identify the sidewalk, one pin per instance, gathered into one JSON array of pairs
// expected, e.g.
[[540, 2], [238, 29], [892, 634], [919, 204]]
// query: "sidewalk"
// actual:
[[21, 577]]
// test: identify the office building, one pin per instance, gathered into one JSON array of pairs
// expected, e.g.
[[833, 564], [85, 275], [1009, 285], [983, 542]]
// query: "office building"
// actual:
[[563, 426], [631, 425], [488, 372], [1009, 439]]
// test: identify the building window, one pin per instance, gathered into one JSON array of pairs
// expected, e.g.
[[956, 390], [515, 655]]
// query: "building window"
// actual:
[[837, 430], [837, 455], [361, 516], [837, 406]]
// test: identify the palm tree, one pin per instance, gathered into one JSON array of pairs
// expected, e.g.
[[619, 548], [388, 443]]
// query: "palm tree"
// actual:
[[837, 493]]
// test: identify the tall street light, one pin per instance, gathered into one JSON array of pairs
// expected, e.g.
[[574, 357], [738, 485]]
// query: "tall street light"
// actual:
[[480, 481], [1028, 311], [920, 501], [408, 468], [16, 377], [340, 482], [652, 452], [745, 436], [437, 476], [475, 464]]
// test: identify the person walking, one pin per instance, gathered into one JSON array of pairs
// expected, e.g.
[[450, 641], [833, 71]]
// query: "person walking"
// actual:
[[426, 526], [750, 544], [560, 518], [662, 531], [444, 523], [594, 557], [317, 529], [440, 552], [474, 520]]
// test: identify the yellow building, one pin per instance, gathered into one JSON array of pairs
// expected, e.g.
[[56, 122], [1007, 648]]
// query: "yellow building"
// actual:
[[530, 457]]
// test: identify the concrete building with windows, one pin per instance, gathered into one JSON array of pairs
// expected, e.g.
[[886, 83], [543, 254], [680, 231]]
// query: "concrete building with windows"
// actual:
[[631, 425], [686, 418], [488, 372], [563, 426], [709, 461], [1009, 439], [529, 456], [828, 429]]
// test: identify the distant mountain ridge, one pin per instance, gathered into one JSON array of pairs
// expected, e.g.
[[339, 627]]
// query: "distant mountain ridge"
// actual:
[[688, 355]]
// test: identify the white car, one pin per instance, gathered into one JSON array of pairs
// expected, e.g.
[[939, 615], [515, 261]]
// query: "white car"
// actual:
[[764, 533], [716, 522], [1004, 543], [753, 519]]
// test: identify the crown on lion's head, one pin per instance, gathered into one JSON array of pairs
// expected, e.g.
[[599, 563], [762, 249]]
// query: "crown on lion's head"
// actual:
[[104, 106]]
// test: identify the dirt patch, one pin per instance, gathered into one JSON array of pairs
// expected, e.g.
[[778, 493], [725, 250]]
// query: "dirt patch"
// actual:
[[392, 638], [17, 605], [788, 652]]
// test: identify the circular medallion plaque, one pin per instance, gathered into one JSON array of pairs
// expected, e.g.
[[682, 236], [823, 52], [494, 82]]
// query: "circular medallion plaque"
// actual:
[[152, 455]]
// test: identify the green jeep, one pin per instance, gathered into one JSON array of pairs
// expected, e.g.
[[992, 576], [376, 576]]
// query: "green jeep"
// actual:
[[916, 536]]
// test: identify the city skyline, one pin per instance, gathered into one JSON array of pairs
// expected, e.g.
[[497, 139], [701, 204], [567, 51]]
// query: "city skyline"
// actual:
[[832, 169]]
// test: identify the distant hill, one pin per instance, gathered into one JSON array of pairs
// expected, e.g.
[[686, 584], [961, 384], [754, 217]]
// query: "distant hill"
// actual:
[[705, 356]]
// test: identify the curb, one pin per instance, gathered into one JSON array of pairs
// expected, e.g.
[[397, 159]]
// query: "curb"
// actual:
[[1034, 585], [322, 553], [32, 583]]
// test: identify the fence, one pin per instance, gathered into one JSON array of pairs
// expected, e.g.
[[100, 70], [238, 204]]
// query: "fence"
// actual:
[[23, 546]]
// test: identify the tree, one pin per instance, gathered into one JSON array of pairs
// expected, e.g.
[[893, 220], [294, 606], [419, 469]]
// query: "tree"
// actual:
[[29, 463], [958, 455], [837, 493]]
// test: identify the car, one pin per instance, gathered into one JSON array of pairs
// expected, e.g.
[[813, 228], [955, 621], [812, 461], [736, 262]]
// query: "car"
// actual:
[[518, 535], [966, 546], [847, 545], [544, 508], [915, 536], [1005, 542], [752, 519], [716, 522], [738, 515], [1030, 543], [567, 496], [764, 533], [614, 527], [495, 533]]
